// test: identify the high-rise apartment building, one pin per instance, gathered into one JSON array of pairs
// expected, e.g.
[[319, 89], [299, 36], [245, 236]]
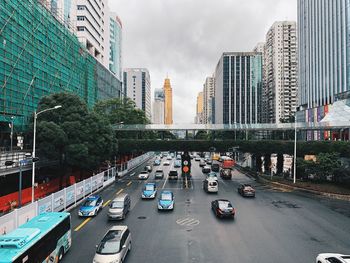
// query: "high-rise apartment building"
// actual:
[[115, 46], [280, 85], [199, 109], [208, 97], [168, 102], [137, 84], [92, 21], [324, 51], [158, 107], [238, 87]]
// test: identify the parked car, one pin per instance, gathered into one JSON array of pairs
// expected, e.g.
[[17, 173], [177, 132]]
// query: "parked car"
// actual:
[[246, 190], [143, 175], [119, 207], [206, 169], [149, 191], [223, 208], [91, 206], [159, 174], [226, 174], [148, 168], [114, 246], [173, 175], [212, 175], [202, 163], [332, 258], [211, 185], [215, 167], [166, 201]]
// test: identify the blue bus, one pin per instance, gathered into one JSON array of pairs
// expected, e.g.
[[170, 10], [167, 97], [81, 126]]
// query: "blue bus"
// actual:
[[45, 238]]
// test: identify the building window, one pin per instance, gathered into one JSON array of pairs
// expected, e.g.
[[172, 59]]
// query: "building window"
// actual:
[[81, 28], [81, 18], [81, 7]]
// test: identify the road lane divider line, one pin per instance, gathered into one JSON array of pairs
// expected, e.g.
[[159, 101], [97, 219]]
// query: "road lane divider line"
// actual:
[[129, 183], [82, 224], [106, 203], [121, 190]]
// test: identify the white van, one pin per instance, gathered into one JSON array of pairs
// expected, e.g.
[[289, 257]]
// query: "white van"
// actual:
[[211, 185]]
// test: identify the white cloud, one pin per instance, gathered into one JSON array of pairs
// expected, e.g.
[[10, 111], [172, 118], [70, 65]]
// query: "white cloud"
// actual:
[[185, 39]]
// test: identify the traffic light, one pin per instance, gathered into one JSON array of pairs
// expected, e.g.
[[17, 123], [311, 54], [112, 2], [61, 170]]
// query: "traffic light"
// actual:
[[186, 164]]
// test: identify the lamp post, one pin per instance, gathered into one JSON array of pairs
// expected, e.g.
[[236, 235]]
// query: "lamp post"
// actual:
[[34, 138], [11, 135], [295, 152]]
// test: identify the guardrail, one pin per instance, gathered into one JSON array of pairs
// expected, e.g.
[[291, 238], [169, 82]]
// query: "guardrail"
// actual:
[[66, 198]]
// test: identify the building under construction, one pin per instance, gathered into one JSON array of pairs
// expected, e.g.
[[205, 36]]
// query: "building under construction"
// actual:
[[39, 55]]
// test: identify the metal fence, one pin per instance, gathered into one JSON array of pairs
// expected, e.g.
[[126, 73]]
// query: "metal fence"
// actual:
[[66, 198]]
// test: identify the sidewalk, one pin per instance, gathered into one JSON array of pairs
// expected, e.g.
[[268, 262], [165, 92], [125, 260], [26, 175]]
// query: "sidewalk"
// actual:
[[324, 189]]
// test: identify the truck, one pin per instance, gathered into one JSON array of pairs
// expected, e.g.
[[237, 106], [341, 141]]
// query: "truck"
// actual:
[[226, 168]]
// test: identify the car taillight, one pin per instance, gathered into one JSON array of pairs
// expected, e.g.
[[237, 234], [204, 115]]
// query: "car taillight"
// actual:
[[233, 211]]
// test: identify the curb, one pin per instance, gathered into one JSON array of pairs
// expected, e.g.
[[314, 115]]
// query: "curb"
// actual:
[[290, 187]]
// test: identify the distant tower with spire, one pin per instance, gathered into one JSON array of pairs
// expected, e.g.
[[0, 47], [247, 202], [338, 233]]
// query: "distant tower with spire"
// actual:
[[168, 102]]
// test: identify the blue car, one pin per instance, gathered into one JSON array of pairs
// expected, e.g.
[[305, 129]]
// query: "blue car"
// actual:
[[149, 191], [166, 201], [91, 206], [156, 162], [177, 164]]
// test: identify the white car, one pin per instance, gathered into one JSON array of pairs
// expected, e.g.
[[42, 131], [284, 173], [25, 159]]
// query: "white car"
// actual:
[[166, 163], [169, 158], [114, 246], [143, 175], [332, 258]]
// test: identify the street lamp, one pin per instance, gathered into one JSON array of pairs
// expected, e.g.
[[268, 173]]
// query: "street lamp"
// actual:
[[34, 138], [11, 135], [295, 152]]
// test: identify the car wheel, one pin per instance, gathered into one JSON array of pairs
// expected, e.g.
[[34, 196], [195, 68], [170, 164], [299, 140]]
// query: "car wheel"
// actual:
[[96, 212], [60, 254]]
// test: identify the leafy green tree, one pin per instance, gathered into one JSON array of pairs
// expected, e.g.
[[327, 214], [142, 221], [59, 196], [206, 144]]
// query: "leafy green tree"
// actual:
[[73, 135]]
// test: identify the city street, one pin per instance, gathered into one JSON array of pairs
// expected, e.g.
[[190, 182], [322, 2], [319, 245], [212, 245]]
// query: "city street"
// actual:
[[275, 226]]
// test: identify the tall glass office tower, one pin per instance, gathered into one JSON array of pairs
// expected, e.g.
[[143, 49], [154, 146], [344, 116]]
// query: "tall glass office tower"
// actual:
[[324, 46]]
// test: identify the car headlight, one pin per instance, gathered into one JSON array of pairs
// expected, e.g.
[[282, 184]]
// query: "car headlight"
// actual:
[[80, 213], [153, 195], [143, 196], [171, 206], [91, 213], [159, 206]]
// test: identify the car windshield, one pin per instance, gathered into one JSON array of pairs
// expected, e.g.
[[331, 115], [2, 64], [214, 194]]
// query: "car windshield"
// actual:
[[90, 203], [166, 197], [110, 244], [212, 175], [159, 171], [149, 187], [117, 204], [224, 205]]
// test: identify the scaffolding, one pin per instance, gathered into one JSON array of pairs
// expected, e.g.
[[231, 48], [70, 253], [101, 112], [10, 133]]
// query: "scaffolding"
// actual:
[[39, 56]]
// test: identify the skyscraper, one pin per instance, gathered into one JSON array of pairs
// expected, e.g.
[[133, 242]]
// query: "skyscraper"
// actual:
[[280, 72], [168, 102], [115, 46], [208, 97], [137, 85], [158, 107], [199, 108], [238, 87], [324, 53]]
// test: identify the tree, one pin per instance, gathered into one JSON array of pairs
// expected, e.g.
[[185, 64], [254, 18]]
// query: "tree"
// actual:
[[72, 134]]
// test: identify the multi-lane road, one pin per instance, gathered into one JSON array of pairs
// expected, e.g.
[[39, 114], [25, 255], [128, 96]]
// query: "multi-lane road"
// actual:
[[276, 226]]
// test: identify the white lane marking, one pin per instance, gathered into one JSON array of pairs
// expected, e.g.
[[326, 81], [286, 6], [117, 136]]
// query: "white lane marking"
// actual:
[[167, 176], [188, 221]]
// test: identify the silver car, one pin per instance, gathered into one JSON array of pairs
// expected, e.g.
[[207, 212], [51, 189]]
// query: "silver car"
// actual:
[[119, 207], [114, 246]]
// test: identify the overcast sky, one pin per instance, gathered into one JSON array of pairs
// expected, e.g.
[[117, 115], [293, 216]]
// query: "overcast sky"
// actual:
[[185, 39]]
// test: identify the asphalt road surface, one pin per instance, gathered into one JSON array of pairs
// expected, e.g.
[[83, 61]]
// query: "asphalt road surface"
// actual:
[[275, 226]]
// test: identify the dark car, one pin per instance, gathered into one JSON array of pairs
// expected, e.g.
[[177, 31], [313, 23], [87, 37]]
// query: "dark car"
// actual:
[[215, 167], [246, 190], [159, 174], [223, 208], [226, 174], [173, 175], [206, 169]]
